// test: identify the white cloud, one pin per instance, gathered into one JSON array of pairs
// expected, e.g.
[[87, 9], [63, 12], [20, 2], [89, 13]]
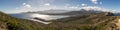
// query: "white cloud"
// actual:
[[73, 7], [24, 8], [47, 4], [40, 2], [96, 8], [39, 5], [26, 5], [83, 4], [94, 1]]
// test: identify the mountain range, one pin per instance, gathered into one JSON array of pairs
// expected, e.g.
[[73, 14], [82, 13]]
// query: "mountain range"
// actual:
[[55, 13]]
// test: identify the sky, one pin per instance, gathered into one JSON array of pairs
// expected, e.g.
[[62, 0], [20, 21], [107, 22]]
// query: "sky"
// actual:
[[17, 6]]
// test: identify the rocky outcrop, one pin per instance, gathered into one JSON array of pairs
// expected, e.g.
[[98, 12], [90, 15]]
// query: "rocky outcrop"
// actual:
[[3, 26], [109, 14]]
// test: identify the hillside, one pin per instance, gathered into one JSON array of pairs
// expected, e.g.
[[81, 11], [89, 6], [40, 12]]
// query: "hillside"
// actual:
[[88, 22], [80, 22], [12, 23]]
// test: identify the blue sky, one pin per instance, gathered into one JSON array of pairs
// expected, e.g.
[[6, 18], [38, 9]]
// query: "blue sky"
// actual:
[[15, 6]]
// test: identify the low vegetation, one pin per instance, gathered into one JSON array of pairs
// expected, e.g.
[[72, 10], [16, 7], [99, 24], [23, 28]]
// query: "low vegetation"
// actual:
[[79, 22]]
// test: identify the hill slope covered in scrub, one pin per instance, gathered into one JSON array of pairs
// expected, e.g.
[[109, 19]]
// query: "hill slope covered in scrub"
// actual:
[[80, 22], [12, 23]]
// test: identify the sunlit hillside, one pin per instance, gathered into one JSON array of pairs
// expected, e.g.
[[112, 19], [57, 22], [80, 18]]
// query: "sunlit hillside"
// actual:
[[81, 22]]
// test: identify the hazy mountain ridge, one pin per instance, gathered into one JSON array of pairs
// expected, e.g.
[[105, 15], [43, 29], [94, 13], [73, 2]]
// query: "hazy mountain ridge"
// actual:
[[56, 12], [66, 12]]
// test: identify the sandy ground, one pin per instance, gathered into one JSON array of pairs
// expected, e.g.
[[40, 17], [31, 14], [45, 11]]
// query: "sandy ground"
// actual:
[[118, 23]]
